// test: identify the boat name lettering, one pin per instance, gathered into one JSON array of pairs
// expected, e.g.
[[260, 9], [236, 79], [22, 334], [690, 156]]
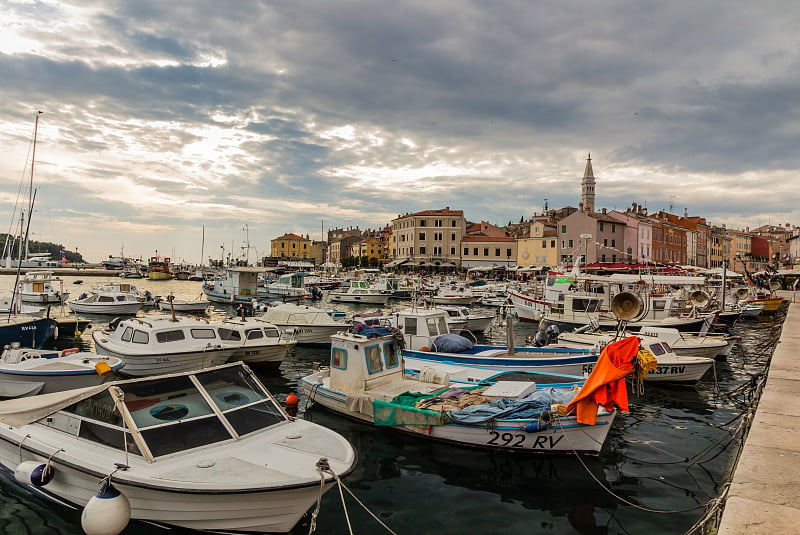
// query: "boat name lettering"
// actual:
[[511, 440], [250, 353], [27, 327], [669, 370]]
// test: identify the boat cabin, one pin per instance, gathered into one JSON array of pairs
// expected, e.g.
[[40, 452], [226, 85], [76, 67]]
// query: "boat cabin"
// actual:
[[364, 360], [153, 418], [420, 325], [159, 334]]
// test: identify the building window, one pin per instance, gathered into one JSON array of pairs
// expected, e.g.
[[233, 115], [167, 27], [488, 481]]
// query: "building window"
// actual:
[[613, 243], [422, 250], [570, 243], [452, 236], [508, 253], [475, 251], [605, 242], [497, 251], [544, 244], [613, 227], [421, 235], [437, 251], [423, 223], [466, 251], [563, 228], [552, 244], [452, 250], [486, 251], [437, 236], [601, 225], [453, 223]]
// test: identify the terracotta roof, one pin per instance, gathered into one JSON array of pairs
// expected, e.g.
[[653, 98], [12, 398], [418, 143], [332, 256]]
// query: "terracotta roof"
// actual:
[[442, 212], [474, 238], [290, 236]]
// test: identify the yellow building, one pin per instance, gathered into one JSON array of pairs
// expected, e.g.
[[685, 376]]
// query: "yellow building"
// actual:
[[290, 246], [371, 248], [541, 248]]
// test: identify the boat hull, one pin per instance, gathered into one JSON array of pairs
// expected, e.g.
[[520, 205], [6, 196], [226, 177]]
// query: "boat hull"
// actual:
[[565, 435], [29, 332], [105, 308], [32, 383], [151, 364], [265, 356], [309, 334], [378, 299], [165, 502]]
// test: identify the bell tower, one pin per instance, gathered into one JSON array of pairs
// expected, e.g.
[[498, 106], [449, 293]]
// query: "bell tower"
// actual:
[[587, 187]]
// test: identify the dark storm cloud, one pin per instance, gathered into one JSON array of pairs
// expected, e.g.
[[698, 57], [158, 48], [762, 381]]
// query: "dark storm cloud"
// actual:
[[348, 109]]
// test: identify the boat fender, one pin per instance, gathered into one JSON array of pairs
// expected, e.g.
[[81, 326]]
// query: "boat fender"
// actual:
[[102, 368], [107, 512], [535, 427], [69, 351], [292, 400], [34, 473]]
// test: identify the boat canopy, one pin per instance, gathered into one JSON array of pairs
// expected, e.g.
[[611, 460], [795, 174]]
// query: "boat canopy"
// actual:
[[160, 415]]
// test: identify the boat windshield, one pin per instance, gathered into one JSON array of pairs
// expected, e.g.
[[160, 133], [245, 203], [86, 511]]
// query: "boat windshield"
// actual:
[[173, 414]]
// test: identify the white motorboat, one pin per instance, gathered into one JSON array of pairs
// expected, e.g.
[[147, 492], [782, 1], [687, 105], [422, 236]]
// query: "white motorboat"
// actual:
[[183, 305], [454, 296], [259, 342], [42, 287], [472, 321], [309, 325], [27, 372], [210, 450], [360, 291], [672, 367], [704, 345], [289, 287], [366, 381], [163, 344], [116, 299]]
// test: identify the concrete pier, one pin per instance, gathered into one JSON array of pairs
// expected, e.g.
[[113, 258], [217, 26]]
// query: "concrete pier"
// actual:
[[764, 497]]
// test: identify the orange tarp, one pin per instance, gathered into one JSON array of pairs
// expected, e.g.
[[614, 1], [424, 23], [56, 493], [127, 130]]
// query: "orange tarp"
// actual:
[[606, 384]]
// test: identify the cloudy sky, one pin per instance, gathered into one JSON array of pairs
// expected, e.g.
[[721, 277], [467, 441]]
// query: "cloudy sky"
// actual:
[[252, 118]]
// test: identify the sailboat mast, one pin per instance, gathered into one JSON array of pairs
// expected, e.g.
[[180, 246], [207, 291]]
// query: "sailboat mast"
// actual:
[[30, 201], [203, 247]]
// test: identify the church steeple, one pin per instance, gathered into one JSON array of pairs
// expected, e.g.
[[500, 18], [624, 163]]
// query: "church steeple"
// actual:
[[587, 187]]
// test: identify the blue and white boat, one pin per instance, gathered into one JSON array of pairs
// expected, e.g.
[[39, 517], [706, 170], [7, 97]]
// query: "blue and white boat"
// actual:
[[366, 380], [27, 372], [27, 331]]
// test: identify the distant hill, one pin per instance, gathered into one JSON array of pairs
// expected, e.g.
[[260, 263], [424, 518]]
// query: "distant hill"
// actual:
[[56, 250]]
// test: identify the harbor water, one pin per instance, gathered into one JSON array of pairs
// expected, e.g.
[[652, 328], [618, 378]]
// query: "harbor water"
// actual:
[[663, 462]]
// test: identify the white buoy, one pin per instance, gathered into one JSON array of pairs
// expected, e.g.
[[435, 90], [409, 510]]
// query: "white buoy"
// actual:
[[34, 473], [107, 512]]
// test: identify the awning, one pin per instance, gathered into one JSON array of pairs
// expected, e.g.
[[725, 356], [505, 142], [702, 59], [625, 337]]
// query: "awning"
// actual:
[[397, 262]]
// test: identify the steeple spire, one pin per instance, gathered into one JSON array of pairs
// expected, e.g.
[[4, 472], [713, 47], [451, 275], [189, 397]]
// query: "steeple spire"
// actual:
[[587, 187]]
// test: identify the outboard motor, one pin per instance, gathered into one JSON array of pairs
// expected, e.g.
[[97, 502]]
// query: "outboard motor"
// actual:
[[552, 333], [113, 324], [540, 339], [316, 293]]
